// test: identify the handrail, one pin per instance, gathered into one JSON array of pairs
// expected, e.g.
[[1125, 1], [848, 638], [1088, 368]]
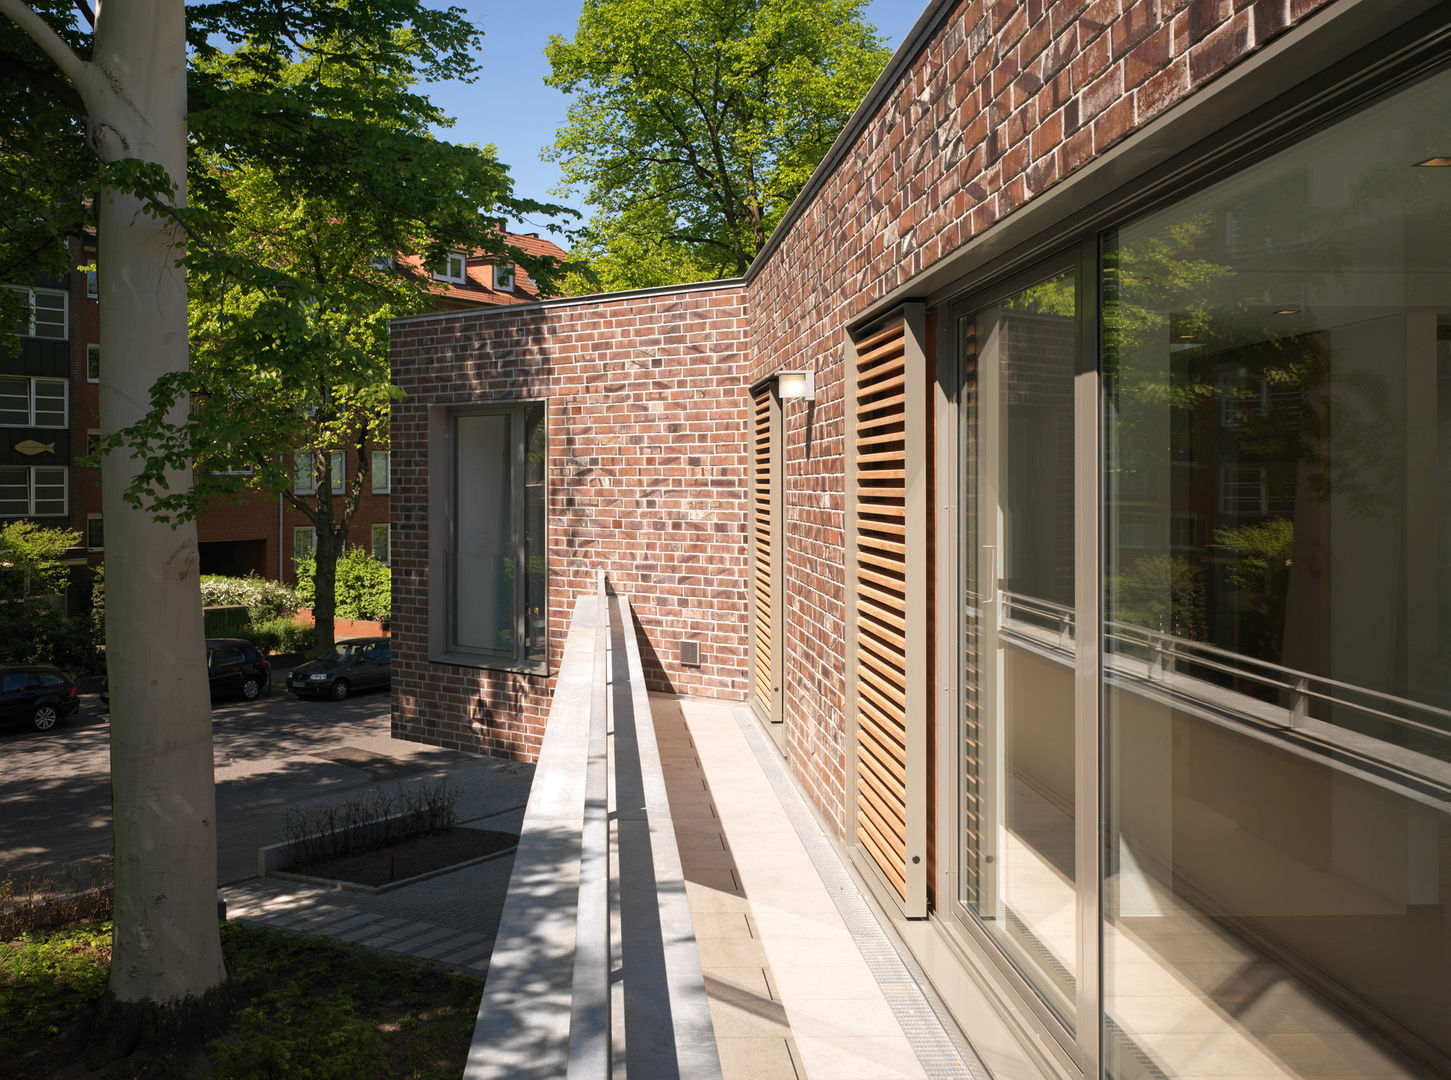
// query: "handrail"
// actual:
[[1167, 651]]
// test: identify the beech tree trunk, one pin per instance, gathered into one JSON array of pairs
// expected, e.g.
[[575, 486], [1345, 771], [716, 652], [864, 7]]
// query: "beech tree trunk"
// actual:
[[166, 943]]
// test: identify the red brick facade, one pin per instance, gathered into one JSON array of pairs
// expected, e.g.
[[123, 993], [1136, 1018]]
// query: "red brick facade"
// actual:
[[646, 425], [1003, 101], [1000, 103]]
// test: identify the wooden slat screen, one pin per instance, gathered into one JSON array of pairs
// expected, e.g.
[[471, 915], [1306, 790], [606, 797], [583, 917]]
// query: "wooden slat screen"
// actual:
[[878, 415], [762, 583]]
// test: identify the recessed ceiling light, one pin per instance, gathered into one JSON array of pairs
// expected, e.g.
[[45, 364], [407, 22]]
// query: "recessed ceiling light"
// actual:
[[1434, 163]]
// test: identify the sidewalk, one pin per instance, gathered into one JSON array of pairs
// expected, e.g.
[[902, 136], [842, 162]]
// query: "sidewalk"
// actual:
[[803, 982]]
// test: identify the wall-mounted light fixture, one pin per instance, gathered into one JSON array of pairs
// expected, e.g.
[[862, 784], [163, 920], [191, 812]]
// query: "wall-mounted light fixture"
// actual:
[[796, 384]]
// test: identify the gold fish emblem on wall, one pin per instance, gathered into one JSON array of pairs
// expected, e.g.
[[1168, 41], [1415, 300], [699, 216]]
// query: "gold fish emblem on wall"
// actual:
[[30, 447]]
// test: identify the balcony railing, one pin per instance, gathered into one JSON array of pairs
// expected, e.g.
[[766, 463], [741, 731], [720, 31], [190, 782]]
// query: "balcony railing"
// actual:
[[1283, 697]]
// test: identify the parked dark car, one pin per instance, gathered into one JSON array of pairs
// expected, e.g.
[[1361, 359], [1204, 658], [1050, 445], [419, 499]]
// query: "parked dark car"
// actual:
[[234, 669], [354, 664], [37, 695]]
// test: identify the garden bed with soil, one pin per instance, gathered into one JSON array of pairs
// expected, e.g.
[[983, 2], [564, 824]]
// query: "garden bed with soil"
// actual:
[[413, 858]]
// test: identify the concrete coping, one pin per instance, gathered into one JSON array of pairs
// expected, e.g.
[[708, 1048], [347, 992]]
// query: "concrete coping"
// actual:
[[576, 983]]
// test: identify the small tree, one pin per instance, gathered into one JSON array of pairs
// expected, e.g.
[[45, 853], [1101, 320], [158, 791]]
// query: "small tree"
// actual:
[[30, 560]]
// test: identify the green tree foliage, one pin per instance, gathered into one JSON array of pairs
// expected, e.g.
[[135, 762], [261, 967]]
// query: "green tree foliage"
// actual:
[[33, 629], [295, 227], [364, 585], [696, 122], [30, 559], [1161, 592]]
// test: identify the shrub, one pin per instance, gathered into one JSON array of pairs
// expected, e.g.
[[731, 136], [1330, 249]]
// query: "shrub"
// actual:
[[371, 820], [32, 631], [363, 587], [281, 635], [264, 599], [78, 892]]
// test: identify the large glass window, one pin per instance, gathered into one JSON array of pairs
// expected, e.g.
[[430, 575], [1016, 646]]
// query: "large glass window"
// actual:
[[1277, 705], [1019, 874], [495, 562], [36, 491], [46, 313], [27, 402]]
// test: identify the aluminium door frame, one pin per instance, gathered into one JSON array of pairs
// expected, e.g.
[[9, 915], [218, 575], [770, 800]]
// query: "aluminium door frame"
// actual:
[[1080, 1048]]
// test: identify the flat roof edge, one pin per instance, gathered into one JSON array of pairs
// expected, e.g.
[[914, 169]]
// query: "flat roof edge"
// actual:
[[570, 301]]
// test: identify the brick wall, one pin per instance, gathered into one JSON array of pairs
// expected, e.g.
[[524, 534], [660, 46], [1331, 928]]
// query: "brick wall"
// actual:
[[1003, 101], [647, 415]]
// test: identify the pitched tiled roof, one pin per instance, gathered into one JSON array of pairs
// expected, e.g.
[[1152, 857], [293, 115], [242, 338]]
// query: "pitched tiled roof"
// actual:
[[479, 289]]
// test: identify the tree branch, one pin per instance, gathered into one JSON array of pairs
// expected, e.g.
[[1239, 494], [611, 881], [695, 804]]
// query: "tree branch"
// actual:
[[78, 71]]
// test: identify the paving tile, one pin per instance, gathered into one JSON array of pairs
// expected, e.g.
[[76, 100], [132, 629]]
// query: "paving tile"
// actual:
[[730, 952], [834, 980], [720, 879], [842, 1017], [750, 980], [756, 1059], [737, 1013], [726, 924], [859, 1058]]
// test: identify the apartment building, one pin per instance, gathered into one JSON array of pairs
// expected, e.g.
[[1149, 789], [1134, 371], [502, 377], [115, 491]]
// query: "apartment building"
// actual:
[[1067, 490], [50, 416]]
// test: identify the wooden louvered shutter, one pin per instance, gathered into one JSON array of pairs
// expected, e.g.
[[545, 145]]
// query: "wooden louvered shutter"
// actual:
[[888, 521], [765, 554]]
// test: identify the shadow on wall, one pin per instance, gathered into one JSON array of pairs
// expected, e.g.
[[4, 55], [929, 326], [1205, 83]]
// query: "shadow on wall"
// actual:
[[655, 677]]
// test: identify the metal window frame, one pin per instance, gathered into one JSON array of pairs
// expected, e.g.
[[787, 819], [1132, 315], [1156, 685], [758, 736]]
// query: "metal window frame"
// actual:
[[442, 517], [65, 487], [387, 472], [387, 541]]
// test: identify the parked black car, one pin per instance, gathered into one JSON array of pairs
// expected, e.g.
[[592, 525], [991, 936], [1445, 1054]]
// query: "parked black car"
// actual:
[[355, 664], [234, 669], [38, 695]]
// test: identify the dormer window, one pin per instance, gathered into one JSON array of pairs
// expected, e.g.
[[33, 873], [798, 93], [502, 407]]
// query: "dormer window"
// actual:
[[455, 270], [381, 262], [504, 277]]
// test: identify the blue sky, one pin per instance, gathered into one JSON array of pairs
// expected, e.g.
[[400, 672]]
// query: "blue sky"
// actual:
[[511, 107]]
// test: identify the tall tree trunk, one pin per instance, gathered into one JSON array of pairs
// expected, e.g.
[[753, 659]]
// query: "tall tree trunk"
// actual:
[[324, 591], [167, 946]]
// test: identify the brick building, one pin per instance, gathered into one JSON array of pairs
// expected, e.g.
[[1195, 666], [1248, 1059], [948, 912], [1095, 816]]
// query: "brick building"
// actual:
[[51, 409], [1095, 583]]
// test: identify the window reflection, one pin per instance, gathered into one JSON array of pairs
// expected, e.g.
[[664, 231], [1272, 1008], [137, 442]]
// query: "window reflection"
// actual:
[[1278, 611]]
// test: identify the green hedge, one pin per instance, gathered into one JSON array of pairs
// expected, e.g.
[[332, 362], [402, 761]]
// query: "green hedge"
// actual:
[[363, 588]]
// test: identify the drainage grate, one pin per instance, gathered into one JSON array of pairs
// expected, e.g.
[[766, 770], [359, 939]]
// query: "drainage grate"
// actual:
[[934, 1036]]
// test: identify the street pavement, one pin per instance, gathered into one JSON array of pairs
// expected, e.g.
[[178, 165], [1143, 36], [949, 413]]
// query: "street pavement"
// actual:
[[271, 755]]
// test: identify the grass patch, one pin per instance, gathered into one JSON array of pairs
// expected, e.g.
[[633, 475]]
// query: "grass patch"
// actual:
[[300, 1007]]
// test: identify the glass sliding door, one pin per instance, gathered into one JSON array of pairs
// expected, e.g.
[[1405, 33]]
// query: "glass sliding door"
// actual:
[[1019, 880], [1277, 642]]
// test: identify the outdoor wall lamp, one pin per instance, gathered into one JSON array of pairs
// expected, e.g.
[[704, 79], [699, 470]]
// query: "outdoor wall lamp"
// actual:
[[796, 384]]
